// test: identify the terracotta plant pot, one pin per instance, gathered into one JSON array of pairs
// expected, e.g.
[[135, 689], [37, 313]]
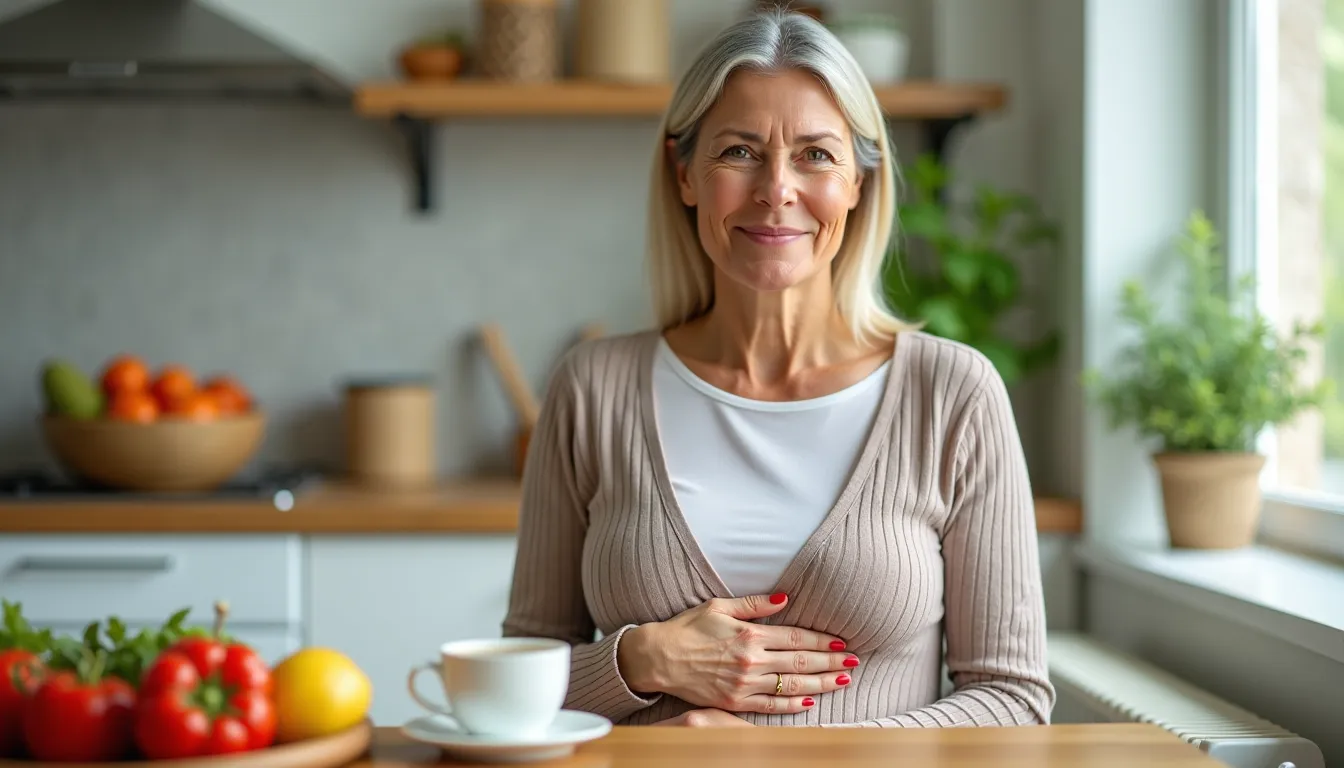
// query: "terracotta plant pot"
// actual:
[[1211, 500], [431, 62]]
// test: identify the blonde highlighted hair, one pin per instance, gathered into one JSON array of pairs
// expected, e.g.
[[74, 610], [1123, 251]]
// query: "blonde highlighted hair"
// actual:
[[681, 273]]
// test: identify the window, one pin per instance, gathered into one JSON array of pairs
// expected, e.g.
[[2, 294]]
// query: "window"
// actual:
[[1286, 208]]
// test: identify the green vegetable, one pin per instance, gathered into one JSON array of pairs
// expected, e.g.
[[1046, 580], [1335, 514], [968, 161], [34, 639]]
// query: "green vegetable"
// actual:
[[127, 655], [17, 633], [69, 392]]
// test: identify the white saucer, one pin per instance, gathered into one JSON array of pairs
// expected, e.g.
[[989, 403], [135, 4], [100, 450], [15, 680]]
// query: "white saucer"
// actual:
[[570, 729]]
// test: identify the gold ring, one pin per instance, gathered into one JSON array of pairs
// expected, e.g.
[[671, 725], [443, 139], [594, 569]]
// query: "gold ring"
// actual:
[[779, 684]]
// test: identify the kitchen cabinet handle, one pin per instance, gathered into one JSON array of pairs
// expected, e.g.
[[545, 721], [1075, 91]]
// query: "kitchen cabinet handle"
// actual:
[[96, 564]]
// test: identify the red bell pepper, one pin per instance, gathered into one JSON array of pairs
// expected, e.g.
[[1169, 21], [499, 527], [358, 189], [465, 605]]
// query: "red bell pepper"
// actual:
[[205, 696], [18, 680], [80, 715], [20, 665]]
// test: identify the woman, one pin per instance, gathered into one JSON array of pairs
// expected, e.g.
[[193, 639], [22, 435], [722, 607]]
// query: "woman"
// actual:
[[777, 507]]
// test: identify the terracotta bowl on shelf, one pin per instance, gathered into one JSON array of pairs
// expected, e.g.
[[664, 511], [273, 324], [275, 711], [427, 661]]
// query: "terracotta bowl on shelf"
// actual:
[[431, 62], [165, 455]]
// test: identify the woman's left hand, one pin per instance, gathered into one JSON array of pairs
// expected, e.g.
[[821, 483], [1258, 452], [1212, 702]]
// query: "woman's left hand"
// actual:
[[706, 718]]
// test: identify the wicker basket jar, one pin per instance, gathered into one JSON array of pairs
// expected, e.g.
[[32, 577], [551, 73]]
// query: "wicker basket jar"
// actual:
[[622, 40], [519, 41]]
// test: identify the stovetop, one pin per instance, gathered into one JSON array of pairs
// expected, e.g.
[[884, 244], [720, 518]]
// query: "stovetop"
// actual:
[[279, 484]]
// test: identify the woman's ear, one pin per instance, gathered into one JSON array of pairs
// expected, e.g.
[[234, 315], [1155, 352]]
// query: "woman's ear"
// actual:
[[679, 171]]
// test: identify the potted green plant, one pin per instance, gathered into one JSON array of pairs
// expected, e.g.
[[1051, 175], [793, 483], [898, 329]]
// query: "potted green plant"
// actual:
[[1203, 384], [955, 269]]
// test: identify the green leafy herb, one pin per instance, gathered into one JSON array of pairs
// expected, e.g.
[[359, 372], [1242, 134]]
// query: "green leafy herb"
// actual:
[[1213, 376], [17, 633], [119, 653]]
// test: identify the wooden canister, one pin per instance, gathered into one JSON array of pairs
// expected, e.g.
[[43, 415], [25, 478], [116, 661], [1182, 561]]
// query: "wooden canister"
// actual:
[[390, 432], [622, 41], [519, 40]]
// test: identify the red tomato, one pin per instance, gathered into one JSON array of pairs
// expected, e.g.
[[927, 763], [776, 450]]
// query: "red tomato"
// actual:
[[73, 720], [18, 679]]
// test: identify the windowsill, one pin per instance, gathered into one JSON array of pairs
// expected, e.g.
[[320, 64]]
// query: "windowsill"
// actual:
[[1295, 598]]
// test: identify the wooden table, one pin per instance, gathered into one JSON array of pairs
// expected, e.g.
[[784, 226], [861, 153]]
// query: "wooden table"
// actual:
[[1075, 746]]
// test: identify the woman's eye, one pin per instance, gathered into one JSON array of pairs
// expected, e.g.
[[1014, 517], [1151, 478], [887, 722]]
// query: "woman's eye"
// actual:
[[817, 156], [737, 153]]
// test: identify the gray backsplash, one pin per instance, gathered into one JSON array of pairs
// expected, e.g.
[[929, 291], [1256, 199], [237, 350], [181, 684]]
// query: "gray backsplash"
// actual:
[[279, 243]]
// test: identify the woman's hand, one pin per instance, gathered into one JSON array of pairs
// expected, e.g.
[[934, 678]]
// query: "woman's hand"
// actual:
[[706, 718], [713, 656]]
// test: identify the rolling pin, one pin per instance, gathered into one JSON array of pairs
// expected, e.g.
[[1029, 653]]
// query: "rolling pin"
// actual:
[[515, 386]]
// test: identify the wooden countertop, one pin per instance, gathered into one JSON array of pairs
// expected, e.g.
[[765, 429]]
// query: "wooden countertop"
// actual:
[[1076, 746], [474, 506]]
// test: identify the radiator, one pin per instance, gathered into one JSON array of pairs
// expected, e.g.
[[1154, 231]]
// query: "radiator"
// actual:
[[1098, 684]]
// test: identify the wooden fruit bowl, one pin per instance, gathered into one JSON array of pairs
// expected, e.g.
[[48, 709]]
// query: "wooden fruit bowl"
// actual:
[[166, 455], [324, 752]]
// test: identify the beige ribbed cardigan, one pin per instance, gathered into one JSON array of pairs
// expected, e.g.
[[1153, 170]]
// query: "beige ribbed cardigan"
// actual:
[[932, 539]]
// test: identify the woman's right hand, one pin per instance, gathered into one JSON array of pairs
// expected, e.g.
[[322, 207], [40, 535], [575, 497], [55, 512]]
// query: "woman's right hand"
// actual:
[[713, 656]]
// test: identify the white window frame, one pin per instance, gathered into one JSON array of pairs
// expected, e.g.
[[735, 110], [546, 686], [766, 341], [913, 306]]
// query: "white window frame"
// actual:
[[1302, 520]]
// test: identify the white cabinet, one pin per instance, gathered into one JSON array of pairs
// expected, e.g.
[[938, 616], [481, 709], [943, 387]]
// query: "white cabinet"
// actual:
[[66, 581], [389, 602], [147, 578]]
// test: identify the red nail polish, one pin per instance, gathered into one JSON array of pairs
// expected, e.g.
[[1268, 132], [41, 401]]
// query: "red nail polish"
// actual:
[[842, 679], [851, 662], [809, 701], [837, 645], [778, 598]]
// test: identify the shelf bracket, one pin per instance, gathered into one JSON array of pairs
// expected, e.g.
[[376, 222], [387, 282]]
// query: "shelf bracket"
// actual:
[[419, 135], [938, 133]]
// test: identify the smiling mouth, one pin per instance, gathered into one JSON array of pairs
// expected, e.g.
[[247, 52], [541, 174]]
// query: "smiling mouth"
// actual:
[[772, 235]]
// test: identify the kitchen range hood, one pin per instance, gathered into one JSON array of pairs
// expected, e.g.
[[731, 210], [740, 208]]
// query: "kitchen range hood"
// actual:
[[150, 48]]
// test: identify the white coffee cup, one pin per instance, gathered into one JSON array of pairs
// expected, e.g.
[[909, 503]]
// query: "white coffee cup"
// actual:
[[499, 687]]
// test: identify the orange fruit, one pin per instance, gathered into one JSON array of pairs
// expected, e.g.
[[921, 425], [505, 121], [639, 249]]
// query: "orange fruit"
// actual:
[[173, 386], [125, 373], [231, 396], [197, 406], [133, 405]]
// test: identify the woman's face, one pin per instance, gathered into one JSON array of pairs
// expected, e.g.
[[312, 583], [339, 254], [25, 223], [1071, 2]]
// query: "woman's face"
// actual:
[[772, 179]]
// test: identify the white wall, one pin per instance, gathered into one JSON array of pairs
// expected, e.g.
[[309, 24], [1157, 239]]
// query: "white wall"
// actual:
[[1148, 128], [1150, 141]]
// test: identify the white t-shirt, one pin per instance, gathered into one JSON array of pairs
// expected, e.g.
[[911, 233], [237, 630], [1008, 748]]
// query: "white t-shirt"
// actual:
[[755, 478]]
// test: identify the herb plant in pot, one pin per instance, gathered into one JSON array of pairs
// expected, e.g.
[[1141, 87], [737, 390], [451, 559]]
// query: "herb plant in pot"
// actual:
[[1204, 383]]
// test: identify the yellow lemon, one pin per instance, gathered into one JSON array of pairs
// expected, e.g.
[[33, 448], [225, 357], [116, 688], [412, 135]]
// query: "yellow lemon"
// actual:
[[318, 691]]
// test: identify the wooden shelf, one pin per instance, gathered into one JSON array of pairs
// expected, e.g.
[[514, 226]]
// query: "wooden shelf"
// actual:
[[577, 98], [416, 106]]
